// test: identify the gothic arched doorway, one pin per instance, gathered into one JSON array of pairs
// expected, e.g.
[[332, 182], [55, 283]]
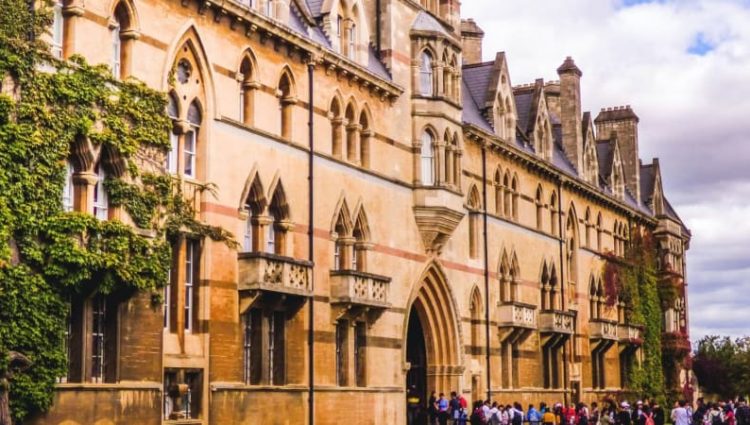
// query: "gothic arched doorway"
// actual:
[[432, 340]]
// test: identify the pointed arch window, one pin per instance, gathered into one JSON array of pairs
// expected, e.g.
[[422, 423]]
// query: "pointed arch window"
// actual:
[[101, 204], [498, 193], [247, 92], [191, 140], [352, 36], [553, 214], [426, 87], [475, 207], [123, 34], [507, 197], [286, 103], [116, 48], [539, 203], [337, 127], [174, 140], [515, 191], [68, 188], [361, 234], [599, 229], [588, 225], [341, 243], [427, 159], [57, 30], [276, 231], [364, 139]]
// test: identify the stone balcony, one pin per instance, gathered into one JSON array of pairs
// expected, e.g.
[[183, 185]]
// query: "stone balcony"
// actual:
[[516, 321], [360, 288], [676, 343], [516, 315], [603, 330], [630, 334], [557, 322], [260, 273]]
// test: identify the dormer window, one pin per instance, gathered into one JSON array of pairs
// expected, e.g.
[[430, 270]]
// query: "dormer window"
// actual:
[[425, 74]]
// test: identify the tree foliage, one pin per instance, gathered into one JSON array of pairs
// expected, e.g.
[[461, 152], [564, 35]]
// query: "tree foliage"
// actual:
[[722, 366], [48, 255]]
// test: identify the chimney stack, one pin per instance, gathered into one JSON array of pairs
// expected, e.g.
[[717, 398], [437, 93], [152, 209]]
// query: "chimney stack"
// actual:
[[624, 122], [570, 112], [471, 36]]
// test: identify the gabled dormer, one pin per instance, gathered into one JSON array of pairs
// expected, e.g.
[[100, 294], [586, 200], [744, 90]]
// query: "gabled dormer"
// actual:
[[490, 87], [534, 121], [345, 23], [590, 170], [610, 166], [652, 191]]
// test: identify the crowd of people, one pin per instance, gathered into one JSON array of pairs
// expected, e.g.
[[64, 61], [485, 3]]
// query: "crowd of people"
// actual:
[[442, 410]]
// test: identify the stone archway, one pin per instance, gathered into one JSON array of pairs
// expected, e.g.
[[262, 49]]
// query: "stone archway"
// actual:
[[434, 309]]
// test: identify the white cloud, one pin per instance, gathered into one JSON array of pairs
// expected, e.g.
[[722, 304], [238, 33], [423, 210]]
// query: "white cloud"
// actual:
[[694, 110]]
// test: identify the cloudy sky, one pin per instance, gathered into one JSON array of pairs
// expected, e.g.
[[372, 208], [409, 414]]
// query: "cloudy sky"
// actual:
[[684, 66]]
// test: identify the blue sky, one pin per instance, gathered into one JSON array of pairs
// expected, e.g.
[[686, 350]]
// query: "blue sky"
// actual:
[[684, 66]]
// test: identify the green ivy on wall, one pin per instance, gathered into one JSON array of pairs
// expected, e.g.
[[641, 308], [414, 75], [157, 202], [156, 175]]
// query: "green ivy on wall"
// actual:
[[49, 255], [633, 280]]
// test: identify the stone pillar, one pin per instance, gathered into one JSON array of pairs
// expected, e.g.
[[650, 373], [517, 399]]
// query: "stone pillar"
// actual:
[[83, 195]]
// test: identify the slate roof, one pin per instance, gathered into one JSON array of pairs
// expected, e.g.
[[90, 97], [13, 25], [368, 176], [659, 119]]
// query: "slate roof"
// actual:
[[426, 22], [314, 6], [605, 153], [471, 113], [477, 81], [523, 98], [648, 178]]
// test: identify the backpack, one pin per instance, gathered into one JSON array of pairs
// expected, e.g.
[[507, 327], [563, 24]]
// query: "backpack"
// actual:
[[743, 415], [517, 418], [716, 419], [478, 416], [650, 419]]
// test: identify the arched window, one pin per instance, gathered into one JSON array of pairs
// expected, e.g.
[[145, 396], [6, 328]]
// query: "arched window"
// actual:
[[427, 159], [456, 180], [549, 289], [337, 125], [287, 101], [599, 229], [498, 192], [475, 206], [571, 236], [447, 75], [364, 139], [361, 234], [247, 92], [116, 48], [539, 203], [553, 214], [504, 275], [173, 113], [123, 35], [593, 300], [255, 205], [276, 231], [588, 225], [194, 118], [340, 254], [101, 203], [507, 197], [514, 189], [352, 133], [68, 188], [425, 74], [58, 29], [352, 36]]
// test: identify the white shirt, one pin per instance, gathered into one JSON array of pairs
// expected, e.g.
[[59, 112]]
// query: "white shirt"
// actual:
[[680, 416]]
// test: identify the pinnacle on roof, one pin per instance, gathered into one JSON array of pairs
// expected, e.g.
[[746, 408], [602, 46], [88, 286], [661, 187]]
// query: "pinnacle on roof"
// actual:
[[569, 66]]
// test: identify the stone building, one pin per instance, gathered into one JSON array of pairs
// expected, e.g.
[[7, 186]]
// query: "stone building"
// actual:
[[459, 225]]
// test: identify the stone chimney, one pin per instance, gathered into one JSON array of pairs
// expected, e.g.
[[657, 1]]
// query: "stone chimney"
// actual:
[[471, 36], [624, 122], [570, 112]]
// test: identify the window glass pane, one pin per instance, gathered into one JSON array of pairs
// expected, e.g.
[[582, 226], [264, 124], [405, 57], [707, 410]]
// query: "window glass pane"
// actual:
[[57, 30], [116, 46], [189, 284], [67, 195], [100, 195], [247, 242], [270, 239], [425, 75], [171, 165], [427, 160], [98, 311], [189, 156]]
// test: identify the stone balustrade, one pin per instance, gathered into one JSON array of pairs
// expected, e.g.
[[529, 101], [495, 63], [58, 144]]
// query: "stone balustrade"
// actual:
[[360, 288], [556, 321], [274, 273], [516, 315]]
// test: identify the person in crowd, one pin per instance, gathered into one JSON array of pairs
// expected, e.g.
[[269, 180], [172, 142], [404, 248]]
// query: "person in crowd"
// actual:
[[729, 416], [516, 415], [432, 408], [714, 415], [594, 415], [680, 414], [607, 416], [454, 407], [658, 412], [533, 417], [637, 414], [442, 406], [494, 414], [549, 417], [624, 417], [742, 414]]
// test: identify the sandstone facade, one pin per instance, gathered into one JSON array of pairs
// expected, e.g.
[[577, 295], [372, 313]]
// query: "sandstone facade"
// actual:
[[460, 224]]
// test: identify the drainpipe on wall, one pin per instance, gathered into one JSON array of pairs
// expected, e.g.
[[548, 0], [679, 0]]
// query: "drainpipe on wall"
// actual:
[[563, 288], [486, 271], [377, 29], [310, 245]]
